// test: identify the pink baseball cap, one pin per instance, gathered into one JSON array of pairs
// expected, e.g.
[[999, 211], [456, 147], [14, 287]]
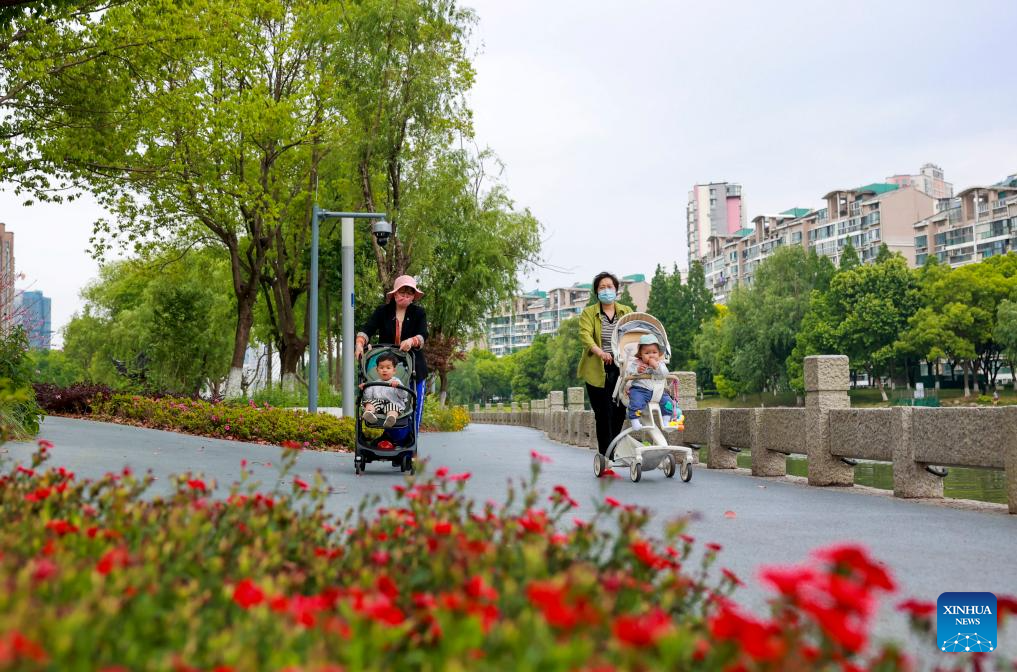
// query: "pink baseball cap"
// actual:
[[405, 281]]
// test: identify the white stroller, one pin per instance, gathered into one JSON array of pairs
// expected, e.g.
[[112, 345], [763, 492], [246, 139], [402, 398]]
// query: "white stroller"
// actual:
[[626, 450]]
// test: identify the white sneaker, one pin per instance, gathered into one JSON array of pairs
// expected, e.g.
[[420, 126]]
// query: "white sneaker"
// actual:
[[636, 424]]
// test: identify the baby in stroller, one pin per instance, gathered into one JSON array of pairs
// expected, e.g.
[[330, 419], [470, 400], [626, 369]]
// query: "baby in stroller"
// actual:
[[648, 360], [379, 399]]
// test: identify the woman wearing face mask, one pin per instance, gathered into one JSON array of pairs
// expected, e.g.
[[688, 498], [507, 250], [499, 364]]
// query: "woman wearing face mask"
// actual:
[[401, 321], [596, 366]]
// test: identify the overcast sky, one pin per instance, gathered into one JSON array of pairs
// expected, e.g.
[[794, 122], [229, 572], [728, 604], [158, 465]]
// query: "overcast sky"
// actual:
[[605, 114]]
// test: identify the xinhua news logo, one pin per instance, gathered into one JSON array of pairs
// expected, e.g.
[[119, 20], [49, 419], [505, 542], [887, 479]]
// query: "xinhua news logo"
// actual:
[[966, 622]]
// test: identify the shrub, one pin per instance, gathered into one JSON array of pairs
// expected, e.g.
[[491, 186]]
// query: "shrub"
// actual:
[[247, 422], [276, 396], [76, 398], [19, 412], [99, 575], [438, 418]]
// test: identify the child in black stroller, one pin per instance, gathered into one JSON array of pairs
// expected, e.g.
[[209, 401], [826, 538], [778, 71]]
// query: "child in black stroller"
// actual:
[[386, 403]]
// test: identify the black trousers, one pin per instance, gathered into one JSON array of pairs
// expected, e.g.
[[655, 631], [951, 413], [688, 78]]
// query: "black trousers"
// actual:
[[608, 415]]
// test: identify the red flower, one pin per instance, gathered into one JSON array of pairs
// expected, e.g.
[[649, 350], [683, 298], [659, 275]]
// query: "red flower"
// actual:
[[917, 608], [732, 577], [643, 550], [465, 476], [45, 445], [197, 484], [1006, 604], [300, 483], [15, 646], [759, 639], [113, 558], [713, 546], [247, 594], [534, 520], [539, 457], [856, 559], [787, 580], [38, 495], [290, 445], [25, 470], [612, 502], [380, 557], [61, 527], [44, 569], [442, 472], [443, 528], [558, 611], [642, 630], [476, 588]]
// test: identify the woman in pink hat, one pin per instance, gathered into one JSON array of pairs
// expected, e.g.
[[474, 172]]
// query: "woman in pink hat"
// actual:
[[401, 321]]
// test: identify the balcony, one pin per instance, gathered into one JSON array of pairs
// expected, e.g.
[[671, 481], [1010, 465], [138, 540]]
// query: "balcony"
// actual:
[[983, 208]]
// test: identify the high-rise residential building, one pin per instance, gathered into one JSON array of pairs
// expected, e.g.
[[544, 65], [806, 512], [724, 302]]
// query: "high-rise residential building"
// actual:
[[518, 321], [34, 313], [6, 278], [929, 180], [715, 210], [980, 223], [867, 217]]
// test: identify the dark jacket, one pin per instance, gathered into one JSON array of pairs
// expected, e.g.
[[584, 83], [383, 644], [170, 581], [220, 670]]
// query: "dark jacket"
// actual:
[[382, 323]]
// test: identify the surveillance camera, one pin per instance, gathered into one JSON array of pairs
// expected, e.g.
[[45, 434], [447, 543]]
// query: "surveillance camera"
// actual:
[[381, 230]]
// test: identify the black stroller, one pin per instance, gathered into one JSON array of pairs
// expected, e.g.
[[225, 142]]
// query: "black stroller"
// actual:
[[396, 444]]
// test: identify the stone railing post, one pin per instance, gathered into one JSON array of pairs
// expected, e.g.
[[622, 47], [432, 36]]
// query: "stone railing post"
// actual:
[[718, 457], [576, 397], [764, 462], [826, 384], [686, 390], [910, 479], [1010, 465], [556, 403]]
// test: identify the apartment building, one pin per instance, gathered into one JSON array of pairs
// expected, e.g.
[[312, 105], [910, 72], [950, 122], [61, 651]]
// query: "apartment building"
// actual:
[[34, 311], [7, 277], [929, 180], [980, 222], [714, 210], [866, 216], [542, 312]]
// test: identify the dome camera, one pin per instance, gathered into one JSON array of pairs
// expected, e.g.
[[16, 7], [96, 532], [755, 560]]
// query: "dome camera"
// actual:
[[382, 230]]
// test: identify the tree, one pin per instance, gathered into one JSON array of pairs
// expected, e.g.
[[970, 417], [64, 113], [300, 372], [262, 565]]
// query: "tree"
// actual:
[[849, 257], [563, 354], [475, 245], [862, 315], [884, 254], [762, 327], [708, 346], [53, 366], [1005, 334], [166, 318], [530, 363]]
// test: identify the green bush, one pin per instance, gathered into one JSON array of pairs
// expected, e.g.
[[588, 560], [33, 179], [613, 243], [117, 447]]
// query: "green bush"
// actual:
[[244, 422], [20, 414], [276, 396], [438, 418]]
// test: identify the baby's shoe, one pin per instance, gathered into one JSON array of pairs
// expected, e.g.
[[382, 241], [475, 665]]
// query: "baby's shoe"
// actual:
[[390, 418], [369, 416]]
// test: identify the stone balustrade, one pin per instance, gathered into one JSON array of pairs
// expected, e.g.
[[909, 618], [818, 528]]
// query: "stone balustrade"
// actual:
[[918, 441]]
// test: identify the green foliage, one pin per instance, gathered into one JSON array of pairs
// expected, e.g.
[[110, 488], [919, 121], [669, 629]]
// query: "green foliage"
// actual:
[[480, 378], [55, 367], [861, 315], [563, 354], [438, 418], [280, 398], [243, 422], [174, 313], [849, 257], [1005, 332], [528, 380], [20, 414], [681, 308]]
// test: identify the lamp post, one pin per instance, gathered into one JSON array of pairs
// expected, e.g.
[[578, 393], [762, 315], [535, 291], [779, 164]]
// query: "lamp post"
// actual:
[[382, 230]]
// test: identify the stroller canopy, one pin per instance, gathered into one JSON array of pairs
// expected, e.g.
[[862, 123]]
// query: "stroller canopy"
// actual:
[[625, 341]]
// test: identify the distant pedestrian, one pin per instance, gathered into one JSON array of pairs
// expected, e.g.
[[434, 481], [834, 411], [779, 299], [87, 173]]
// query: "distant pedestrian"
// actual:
[[597, 367]]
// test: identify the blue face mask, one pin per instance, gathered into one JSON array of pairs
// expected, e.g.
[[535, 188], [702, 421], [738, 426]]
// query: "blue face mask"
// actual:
[[606, 295]]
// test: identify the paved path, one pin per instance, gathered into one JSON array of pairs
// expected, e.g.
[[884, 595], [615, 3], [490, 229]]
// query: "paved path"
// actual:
[[931, 549]]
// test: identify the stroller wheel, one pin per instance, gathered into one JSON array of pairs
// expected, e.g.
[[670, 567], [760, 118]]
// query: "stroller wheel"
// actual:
[[636, 472], [358, 465], [686, 470], [599, 465], [670, 467]]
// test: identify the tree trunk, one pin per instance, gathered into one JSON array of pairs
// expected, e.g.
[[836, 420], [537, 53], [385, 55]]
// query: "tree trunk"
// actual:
[[268, 379], [443, 379], [967, 389], [245, 320], [975, 385]]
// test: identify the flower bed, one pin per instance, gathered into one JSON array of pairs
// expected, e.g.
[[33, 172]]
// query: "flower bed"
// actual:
[[97, 577], [438, 418], [229, 421]]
